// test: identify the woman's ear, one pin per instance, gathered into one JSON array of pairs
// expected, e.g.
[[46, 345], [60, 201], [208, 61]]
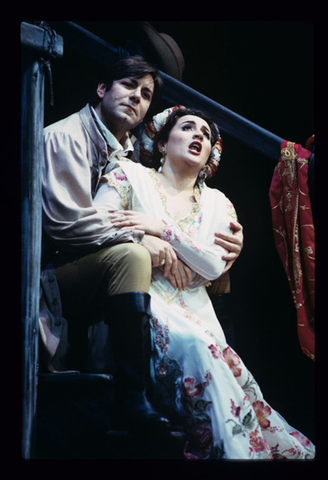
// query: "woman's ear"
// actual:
[[161, 146]]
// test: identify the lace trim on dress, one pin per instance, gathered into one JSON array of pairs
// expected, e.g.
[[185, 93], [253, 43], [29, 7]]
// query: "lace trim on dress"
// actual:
[[191, 217], [118, 180]]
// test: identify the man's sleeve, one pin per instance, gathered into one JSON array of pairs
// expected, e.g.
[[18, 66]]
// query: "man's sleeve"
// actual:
[[70, 217]]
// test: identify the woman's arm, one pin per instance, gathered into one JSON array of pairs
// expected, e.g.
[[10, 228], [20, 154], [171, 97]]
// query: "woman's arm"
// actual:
[[201, 258]]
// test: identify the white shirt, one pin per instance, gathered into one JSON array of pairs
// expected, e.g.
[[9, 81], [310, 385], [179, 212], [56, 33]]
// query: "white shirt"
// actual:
[[75, 154]]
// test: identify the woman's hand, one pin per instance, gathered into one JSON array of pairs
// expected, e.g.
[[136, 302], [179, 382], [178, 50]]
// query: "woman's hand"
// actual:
[[182, 277], [232, 242], [139, 221]]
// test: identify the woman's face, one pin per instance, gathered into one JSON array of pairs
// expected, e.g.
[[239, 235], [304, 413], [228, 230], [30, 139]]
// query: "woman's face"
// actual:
[[189, 142]]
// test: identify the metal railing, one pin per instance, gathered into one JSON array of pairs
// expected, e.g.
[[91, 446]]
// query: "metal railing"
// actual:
[[176, 92]]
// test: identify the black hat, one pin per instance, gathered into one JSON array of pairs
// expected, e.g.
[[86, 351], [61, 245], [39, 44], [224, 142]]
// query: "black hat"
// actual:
[[162, 50], [141, 38]]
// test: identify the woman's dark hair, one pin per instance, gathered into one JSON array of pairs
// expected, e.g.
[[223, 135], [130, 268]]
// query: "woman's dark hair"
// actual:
[[164, 133], [135, 67]]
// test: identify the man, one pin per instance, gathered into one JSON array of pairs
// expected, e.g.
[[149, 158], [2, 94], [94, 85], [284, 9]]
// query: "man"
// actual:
[[103, 273]]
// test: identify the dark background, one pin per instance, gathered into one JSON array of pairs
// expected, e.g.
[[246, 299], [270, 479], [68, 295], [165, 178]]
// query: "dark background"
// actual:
[[264, 71]]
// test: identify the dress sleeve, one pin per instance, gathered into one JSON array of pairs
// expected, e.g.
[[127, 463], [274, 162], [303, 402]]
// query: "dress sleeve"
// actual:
[[203, 257], [114, 194], [70, 215]]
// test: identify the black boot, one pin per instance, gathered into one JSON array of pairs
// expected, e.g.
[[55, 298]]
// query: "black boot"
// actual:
[[128, 321]]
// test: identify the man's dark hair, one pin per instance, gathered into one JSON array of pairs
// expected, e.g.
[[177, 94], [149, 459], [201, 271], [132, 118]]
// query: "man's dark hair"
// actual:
[[135, 67]]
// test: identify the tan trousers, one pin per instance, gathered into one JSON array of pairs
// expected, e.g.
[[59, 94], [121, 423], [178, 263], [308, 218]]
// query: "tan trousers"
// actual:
[[86, 283], [220, 285]]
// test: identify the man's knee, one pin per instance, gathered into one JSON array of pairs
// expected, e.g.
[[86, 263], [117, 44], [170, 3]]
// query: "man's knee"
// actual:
[[132, 264], [115, 269], [130, 254]]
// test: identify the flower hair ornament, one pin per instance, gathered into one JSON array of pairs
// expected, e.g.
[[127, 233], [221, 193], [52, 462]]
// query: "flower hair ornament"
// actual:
[[152, 129]]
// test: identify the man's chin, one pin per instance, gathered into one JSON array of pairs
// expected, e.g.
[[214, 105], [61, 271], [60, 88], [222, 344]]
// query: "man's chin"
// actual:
[[129, 121]]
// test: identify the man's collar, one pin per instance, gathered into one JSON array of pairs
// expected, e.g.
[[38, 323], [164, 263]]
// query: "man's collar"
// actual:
[[109, 137]]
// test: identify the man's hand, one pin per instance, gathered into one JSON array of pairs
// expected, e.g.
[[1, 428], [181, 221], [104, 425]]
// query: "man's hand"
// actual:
[[232, 242], [161, 250]]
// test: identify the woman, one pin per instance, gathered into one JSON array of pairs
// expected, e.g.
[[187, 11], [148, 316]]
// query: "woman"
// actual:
[[198, 380]]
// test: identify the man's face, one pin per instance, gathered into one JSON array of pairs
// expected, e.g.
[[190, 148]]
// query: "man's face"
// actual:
[[125, 105]]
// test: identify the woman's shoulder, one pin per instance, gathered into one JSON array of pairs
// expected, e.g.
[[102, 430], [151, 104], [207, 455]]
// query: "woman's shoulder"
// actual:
[[130, 166], [214, 194], [219, 202], [128, 170]]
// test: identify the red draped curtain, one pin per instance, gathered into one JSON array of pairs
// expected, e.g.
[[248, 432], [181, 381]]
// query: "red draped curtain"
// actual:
[[294, 235]]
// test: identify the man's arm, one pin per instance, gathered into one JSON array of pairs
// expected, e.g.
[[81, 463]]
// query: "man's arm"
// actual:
[[70, 216]]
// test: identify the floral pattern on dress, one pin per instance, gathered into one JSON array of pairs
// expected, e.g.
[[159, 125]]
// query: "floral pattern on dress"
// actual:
[[258, 445], [262, 412], [167, 232], [216, 352], [119, 181], [121, 177], [301, 438], [232, 360], [198, 423], [198, 381], [187, 312], [161, 338], [247, 425], [192, 244]]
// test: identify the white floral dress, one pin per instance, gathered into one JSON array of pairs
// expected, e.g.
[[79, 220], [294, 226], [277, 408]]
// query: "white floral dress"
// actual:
[[198, 379]]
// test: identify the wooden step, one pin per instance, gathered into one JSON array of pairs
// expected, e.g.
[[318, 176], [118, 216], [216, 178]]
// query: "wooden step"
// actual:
[[75, 420]]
